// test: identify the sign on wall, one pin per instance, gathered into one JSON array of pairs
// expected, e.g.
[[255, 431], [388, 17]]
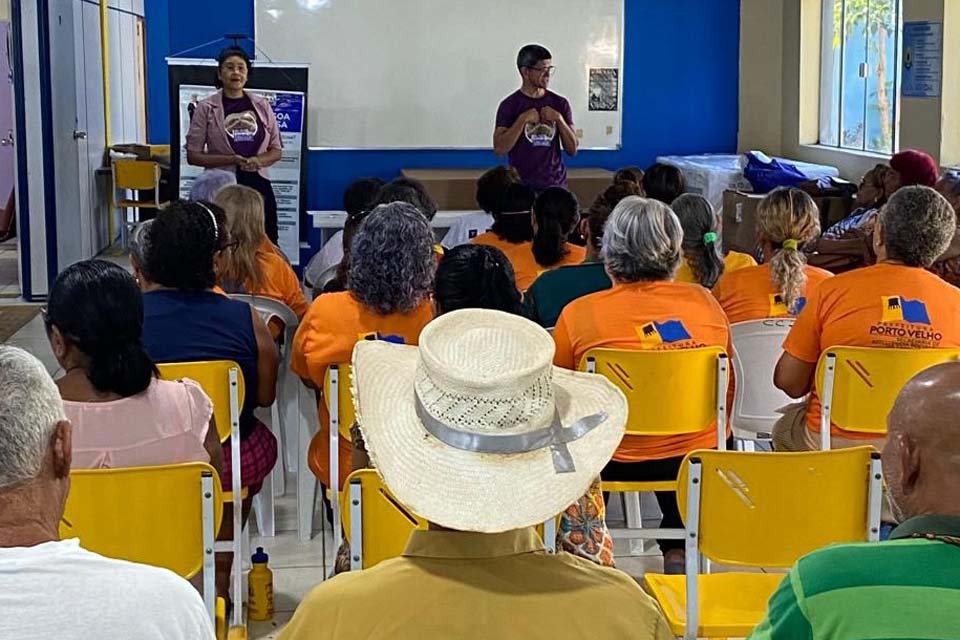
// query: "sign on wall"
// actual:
[[284, 175], [922, 75]]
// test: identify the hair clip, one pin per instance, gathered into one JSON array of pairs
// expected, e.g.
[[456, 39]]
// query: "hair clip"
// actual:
[[213, 218], [709, 237], [791, 245]]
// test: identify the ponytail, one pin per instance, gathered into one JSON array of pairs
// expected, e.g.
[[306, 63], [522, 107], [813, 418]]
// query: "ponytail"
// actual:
[[787, 218], [124, 369], [557, 213], [701, 241]]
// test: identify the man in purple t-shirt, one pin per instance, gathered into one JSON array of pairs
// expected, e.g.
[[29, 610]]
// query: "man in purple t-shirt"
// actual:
[[533, 123]]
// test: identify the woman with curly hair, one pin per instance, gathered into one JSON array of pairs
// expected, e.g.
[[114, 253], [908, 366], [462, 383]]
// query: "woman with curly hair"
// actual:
[[390, 280]]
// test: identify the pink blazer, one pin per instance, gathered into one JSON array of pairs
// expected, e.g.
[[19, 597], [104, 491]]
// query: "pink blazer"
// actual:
[[208, 135]]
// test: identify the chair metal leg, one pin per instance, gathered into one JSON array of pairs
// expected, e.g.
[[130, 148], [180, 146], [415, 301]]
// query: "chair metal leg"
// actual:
[[631, 510], [306, 481]]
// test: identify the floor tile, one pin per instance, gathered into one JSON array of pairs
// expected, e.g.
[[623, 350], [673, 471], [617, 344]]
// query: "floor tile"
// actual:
[[291, 584], [270, 629]]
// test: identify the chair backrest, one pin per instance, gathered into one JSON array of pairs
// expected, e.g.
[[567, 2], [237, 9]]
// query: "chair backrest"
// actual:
[[152, 515], [757, 346], [214, 377], [269, 308], [866, 381], [668, 392], [135, 174], [339, 401], [386, 523], [767, 510]]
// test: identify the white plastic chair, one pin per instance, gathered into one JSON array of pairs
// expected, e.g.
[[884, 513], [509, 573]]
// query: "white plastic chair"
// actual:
[[757, 346], [284, 413]]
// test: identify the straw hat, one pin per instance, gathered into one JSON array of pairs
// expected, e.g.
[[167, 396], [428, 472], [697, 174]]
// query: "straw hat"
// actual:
[[476, 430]]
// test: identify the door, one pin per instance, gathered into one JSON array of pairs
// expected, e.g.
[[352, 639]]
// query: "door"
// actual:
[[6, 117]]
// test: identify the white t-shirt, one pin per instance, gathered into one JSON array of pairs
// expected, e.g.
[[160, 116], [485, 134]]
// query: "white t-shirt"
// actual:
[[323, 267], [466, 228], [59, 590]]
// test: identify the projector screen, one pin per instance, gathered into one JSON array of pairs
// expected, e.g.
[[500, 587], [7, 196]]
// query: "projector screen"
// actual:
[[416, 74]]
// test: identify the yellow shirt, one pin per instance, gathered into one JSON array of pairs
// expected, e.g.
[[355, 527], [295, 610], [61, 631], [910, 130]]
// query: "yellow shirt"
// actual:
[[451, 584], [733, 261]]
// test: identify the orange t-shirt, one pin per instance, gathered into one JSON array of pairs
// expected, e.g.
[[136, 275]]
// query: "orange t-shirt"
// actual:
[[520, 254], [331, 327], [686, 316], [732, 262], [750, 294], [886, 305]]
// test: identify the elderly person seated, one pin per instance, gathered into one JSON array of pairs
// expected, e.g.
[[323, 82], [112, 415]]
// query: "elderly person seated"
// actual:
[[908, 587], [122, 414], [53, 588], [893, 304], [786, 219], [703, 256], [645, 309], [254, 265], [392, 267], [359, 197], [553, 290], [947, 265], [481, 556], [208, 184], [185, 320]]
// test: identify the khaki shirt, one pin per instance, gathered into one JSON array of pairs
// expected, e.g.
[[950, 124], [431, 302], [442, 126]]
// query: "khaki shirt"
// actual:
[[473, 585]]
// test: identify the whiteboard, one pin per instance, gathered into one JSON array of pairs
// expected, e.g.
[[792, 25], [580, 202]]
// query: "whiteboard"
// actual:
[[414, 74]]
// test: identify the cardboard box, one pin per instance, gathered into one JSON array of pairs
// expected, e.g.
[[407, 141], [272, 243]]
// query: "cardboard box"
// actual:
[[740, 218], [739, 226], [456, 189]]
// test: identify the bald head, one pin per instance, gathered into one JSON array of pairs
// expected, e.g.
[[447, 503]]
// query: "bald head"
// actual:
[[921, 459]]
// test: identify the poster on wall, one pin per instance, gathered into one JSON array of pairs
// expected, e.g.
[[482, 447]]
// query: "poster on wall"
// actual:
[[284, 175], [604, 89], [922, 75]]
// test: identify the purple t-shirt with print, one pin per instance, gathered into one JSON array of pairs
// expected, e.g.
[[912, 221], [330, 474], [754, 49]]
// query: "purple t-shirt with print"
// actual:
[[536, 156], [243, 125]]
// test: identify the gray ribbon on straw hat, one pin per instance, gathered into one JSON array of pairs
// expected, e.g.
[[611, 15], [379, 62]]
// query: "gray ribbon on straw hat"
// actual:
[[554, 436]]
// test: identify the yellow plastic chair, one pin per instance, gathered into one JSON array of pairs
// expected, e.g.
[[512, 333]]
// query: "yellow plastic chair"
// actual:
[[166, 516], [761, 510], [136, 175], [222, 381], [668, 393], [858, 385], [377, 525], [338, 396]]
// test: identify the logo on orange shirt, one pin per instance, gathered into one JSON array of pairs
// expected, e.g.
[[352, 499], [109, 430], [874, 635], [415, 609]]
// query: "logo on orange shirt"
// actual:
[[778, 306], [654, 334], [376, 335], [898, 309]]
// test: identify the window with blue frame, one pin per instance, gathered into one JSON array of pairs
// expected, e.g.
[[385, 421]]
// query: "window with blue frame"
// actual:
[[860, 74]]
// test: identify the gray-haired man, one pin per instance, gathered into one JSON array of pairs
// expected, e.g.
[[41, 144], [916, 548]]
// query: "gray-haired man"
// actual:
[[52, 588]]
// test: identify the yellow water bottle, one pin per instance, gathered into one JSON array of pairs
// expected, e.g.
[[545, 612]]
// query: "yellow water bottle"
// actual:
[[260, 582]]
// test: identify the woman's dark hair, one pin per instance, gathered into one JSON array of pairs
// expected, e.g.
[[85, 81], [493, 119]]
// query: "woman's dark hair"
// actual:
[[630, 174], [664, 182], [182, 243], [604, 205], [492, 185], [701, 237], [511, 218], [361, 195], [98, 308], [474, 276], [350, 228], [230, 52], [557, 212], [410, 191]]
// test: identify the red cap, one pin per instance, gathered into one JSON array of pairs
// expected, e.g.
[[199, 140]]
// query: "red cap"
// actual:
[[915, 168]]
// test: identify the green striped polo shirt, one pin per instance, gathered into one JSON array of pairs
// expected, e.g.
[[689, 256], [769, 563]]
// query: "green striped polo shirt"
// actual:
[[907, 587]]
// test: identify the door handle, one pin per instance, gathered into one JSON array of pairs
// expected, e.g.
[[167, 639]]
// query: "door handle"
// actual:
[[79, 135]]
